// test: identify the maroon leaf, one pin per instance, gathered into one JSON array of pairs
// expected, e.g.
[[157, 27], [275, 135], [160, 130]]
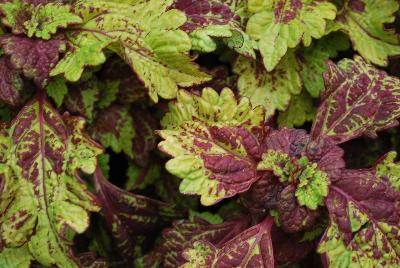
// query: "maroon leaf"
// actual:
[[34, 57], [145, 139], [128, 215], [359, 99], [251, 248], [185, 232], [205, 12], [11, 83], [363, 207]]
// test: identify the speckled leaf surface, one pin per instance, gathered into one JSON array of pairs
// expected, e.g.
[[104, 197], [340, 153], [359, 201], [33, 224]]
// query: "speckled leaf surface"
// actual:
[[272, 90], [151, 43], [210, 140], [11, 83], [186, 232], [251, 248], [358, 99], [210, 18], [364, 228], [279, 25], [34, 57], [365, 21], [127, 215], [43, 201]]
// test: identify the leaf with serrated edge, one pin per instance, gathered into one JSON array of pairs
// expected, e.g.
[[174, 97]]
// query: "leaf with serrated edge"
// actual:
[[40, 157], [128, 215], [365, 23], [272, 90], [211, 18], [151, 43], [34, 57], [285, 23], [364, 229], [210, 140], [251, 248], [358, 99]]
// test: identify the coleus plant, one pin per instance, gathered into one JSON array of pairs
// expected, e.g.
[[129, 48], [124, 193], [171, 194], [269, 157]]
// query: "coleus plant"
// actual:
[[148, 133]]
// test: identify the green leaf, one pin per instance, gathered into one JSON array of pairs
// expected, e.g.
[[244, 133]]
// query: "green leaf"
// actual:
[[285, 23], [15, 258], [46, 19], [390, 169], [301, 109], [313, 60], [57, 89], [41, 20], [86, 49], [43, 202], [209, 137], [364, 21], [150, 42], [272, 90]]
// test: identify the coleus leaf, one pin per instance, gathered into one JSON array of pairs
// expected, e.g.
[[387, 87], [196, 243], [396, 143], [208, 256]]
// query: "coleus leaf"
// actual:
[[82, 97], [11, 83], [358, 99], [128, 215], [364, 229], [40, 20], [300, 110], [15, 258], [145, 139], [43, 201], [34, 57], [211, 18], [284, 24], [251, 248], [150, 42], [114, 128], [272, 90], [365, 23], [305, 168], [210, 140], [313, 60], [57, 89], [186, 232]]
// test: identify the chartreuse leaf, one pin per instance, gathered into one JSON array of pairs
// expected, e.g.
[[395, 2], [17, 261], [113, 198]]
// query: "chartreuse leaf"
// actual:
[[311, 183], [211, 18], [364, 229], [364, 21], [251, 248], [300, 110], [57, 89], [210, 140], [313, 60], [272, 90], [358, 99], [15, 258], [146, 35], [46, 19], [43, 201], [284, 24], [41, 20]]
